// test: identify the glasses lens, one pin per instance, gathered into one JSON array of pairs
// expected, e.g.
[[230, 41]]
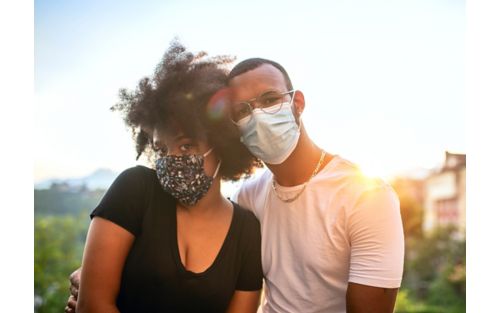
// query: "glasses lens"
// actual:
[[271, 102], [240, 110]]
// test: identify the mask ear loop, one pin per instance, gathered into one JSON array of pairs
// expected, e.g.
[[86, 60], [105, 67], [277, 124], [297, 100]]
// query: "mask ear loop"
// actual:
[[218, 165], [217, 169], [208, 152], [292, 103]]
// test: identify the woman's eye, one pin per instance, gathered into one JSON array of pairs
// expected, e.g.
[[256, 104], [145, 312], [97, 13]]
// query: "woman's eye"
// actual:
[[159, 151], [185, 147]]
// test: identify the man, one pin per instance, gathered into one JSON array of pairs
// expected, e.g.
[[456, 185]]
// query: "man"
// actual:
[[332, 240]]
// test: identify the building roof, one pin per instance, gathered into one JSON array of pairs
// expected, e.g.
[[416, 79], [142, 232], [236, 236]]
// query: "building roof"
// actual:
[[453, 161]]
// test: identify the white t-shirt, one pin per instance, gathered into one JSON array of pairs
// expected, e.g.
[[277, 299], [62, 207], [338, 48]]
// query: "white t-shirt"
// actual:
[[343, 228]]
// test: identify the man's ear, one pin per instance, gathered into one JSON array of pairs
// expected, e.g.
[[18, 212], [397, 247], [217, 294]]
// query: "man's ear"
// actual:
[[299, 103]]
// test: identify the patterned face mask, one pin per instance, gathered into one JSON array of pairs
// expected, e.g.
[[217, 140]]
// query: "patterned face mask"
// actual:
[[183, 177]]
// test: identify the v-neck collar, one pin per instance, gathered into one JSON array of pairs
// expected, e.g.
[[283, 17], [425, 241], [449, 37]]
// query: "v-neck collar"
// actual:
[[175, 244]]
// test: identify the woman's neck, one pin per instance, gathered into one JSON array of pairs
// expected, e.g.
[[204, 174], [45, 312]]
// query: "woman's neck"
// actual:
[[212, 203]]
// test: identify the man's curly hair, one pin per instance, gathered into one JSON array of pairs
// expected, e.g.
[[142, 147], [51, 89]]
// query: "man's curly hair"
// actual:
[[186, 94]]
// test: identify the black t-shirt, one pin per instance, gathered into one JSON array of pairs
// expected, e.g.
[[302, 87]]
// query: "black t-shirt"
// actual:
[[153, 277]]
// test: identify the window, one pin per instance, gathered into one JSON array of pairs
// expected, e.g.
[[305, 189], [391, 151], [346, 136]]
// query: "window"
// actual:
[[446, 211]]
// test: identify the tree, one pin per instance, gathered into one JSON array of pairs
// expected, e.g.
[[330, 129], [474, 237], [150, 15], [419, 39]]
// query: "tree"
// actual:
[[59, 242], [434, 271], [409, 192]]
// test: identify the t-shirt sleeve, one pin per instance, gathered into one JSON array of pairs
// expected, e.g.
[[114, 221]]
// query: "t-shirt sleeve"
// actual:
[[250, 276], [377, 240], [243, 196], [252, 192], [124, 202]]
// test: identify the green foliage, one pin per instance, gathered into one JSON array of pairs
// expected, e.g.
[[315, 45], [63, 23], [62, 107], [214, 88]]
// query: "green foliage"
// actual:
[[434, 274], [55, 201], [61, 222], [404, 304], [448, 290], [59, 243], [434, 269]]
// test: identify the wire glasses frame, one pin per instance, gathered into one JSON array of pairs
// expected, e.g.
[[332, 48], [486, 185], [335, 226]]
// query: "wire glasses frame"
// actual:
[[269, 102]]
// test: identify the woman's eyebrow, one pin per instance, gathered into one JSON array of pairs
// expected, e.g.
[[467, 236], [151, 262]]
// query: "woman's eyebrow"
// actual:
[[181, 137]]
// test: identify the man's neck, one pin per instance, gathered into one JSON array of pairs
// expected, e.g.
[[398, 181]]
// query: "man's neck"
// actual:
[[300, 165]]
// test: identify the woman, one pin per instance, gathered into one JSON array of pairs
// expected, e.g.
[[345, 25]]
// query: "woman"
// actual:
[[167, 240]]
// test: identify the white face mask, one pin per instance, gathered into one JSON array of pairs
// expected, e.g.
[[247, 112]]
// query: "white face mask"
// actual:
[[271, 137]]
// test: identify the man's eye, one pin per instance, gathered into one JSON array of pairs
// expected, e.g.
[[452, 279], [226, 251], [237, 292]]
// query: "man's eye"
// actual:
[[242, 110], [268, 100]]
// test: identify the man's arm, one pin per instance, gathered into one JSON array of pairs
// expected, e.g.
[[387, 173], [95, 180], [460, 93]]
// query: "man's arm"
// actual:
[[367, 299], [377, 252]]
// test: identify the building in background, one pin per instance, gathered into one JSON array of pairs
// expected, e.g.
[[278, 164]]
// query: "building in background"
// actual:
[[444, 200]]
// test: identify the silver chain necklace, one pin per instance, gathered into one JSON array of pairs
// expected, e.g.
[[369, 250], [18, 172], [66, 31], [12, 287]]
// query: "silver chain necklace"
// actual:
[[288, 200]]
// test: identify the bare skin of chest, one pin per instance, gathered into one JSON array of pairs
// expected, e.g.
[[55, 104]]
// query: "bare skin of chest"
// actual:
[[200, 238]]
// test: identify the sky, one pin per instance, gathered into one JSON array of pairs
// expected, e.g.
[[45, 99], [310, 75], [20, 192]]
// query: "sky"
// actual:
[[383, 80]]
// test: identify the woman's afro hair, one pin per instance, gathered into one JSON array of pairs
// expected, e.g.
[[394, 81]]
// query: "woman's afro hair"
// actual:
[[187, 93]]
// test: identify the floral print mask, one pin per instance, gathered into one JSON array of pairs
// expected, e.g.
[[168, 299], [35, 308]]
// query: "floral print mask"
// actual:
[[183, 177]]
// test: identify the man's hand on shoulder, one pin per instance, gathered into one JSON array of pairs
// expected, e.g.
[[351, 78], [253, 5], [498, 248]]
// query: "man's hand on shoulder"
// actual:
[[74, 279]]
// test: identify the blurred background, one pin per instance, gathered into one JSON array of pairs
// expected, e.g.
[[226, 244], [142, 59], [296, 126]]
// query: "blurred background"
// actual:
[[384, 88]]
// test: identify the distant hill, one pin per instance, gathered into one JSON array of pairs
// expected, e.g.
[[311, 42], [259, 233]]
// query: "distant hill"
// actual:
[[99, 179], [55, 201]]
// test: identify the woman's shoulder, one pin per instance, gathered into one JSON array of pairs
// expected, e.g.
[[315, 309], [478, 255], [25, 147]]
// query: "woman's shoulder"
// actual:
[[136, 175], [127, 199], [138, 171], [133, 185]]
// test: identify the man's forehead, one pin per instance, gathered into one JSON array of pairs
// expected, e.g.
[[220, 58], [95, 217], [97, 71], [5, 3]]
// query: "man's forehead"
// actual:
[[262, 78]]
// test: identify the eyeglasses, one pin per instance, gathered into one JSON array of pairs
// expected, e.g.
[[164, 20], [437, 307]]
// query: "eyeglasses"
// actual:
[[269, 102]]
